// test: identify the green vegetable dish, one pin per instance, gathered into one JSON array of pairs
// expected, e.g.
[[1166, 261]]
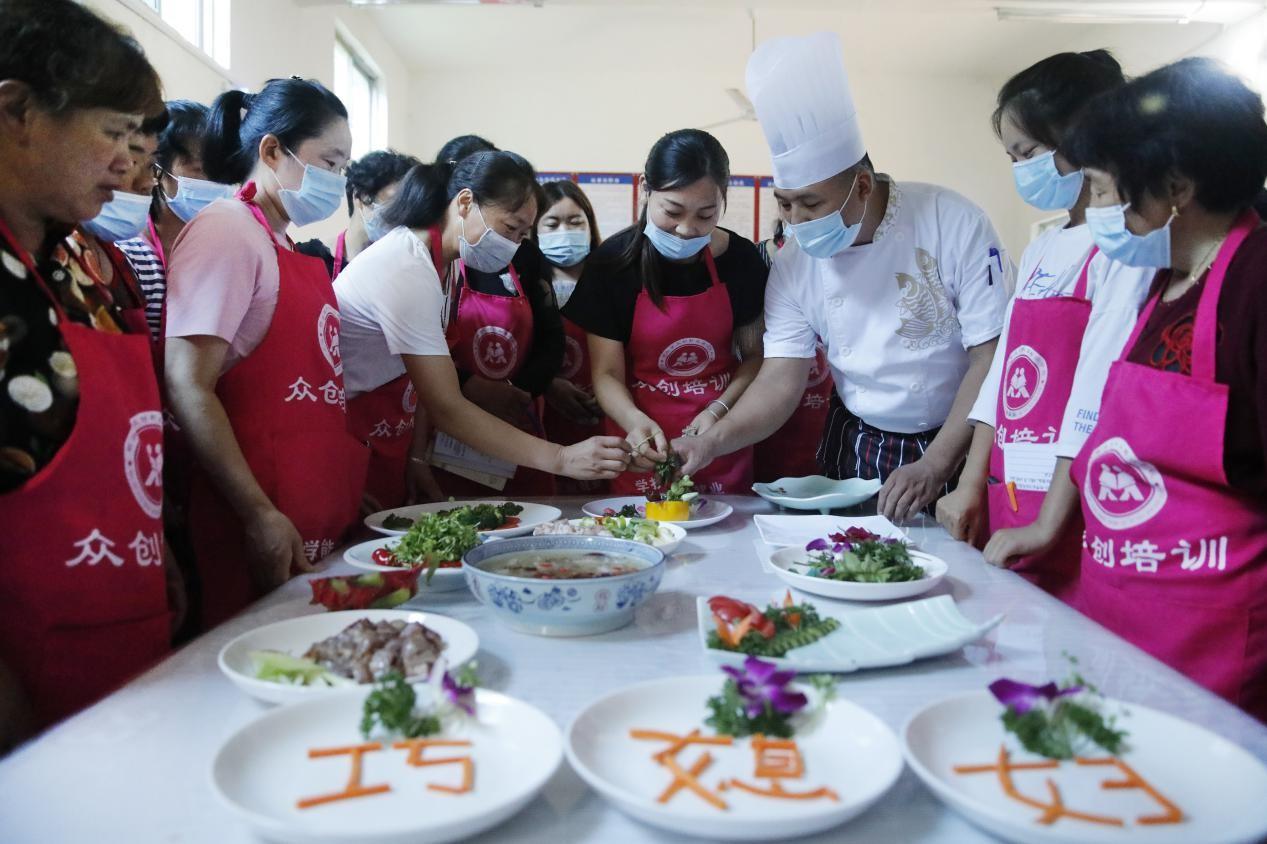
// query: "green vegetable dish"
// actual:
[[861, 556], [435, 538], [743, 628]]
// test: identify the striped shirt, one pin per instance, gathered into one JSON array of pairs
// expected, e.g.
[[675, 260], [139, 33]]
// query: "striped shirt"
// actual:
[[151, 276]]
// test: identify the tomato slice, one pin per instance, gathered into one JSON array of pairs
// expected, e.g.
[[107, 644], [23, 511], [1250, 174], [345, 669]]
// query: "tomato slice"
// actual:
[[729, 609], [511, 522], [384, 557]]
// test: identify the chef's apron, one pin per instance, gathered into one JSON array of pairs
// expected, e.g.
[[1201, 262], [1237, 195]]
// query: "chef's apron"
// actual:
[[792, 451]]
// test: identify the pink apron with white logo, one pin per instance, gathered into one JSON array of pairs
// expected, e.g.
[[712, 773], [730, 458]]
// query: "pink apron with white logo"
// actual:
[[680, 359], [1175, 559], [791, 451], [1041, 356]]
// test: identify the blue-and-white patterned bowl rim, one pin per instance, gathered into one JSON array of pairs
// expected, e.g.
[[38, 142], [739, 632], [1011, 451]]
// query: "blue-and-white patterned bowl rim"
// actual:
[[479, 554]]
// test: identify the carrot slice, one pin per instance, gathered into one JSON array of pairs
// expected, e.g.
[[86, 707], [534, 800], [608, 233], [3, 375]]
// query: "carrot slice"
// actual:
[[354, 787], [468, 778], [688, 781]]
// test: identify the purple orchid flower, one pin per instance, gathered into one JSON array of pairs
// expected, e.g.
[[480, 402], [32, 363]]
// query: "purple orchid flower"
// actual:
[[821, 544], [1023, 697], [761, 683], [463, 697]]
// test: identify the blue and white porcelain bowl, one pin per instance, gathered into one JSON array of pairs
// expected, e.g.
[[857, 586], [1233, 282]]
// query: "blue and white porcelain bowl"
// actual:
[[581, 607]]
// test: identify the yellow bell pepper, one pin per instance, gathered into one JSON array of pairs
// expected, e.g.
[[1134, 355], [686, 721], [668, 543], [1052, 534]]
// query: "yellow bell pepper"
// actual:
[[669, 511]]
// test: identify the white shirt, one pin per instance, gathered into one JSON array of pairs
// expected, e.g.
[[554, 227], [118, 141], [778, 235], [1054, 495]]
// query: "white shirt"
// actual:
[[896, 315], [392, 304], [1050, 267]]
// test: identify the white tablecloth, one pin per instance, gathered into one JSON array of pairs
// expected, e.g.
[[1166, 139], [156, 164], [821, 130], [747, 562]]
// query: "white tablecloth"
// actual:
[[135, 767]]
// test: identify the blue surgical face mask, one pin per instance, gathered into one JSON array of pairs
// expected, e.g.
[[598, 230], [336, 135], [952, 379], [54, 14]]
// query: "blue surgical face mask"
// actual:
[[375, 229], [319, 195], [193, 195], [491, 253], [122, 218], [1108, 229], [1040, 184], [828, 236], [563, 290], [673, 247], [565, 248]]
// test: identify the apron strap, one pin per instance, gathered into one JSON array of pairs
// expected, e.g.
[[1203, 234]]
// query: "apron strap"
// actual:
[[1205, 328], [157, 243], [712, 267], [340, 246], [247, 195], [1080, 288]]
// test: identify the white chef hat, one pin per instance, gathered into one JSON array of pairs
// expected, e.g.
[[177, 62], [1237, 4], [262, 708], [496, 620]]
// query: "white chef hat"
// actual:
[[800, 91]]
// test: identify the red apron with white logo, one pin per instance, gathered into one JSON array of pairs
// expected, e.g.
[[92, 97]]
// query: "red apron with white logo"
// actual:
[[791, 451], [1042, 346], [84, 603], [1175, 559], [286, 404], [560, 429], [383, 419], [680, 359], [491, 336]]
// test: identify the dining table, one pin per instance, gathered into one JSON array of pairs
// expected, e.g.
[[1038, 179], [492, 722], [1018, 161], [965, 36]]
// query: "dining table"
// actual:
[[136, 766]]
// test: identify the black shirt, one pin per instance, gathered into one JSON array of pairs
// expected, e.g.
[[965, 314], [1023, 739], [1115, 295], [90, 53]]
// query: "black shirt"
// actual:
[[604, 299], [316, 249]]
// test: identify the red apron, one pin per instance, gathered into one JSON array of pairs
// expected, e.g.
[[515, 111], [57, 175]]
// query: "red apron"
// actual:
[[285, 402], [1175, 559], [576, 371], [84, 603], [1041, 351], [679, 359], [791, 451], [383, 419]]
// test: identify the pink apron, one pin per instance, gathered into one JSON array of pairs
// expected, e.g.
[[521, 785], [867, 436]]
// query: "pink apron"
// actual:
[[1041, 356], [791, 451], [561, 429], [679, 359], [1175, 559]]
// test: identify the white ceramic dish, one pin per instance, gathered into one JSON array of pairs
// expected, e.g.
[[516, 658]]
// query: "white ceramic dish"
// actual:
[[263, 769], [709, 512], [788, 564], [780, 530], [817, 492], [295, 635], [671, 535], [443, 580], [532, 515], [868, 638], [844, 746], [1218, 785]]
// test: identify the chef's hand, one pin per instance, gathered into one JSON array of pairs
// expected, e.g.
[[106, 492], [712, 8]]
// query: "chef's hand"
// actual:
[[910, 489], [420, 482], [573, 402], [1007, 544], [648, 445], [274, 548], [500, 398], [695, 453], [962, 513], [598, 458]]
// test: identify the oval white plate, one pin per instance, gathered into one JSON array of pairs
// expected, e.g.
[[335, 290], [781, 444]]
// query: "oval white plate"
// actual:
[[444, 580], [671, 536], [710, 512], [532, 515], [1218, 785], [263, 769], [845, 747], [786, 561], [295, 635], [817, 492]]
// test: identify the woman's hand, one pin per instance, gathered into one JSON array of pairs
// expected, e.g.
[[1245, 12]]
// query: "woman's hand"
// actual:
[[1006, 545], [420, 482], [704, 420], [962, 513], [598, 458], [648, 445], [500, 398], [274, 548], [573, 402]]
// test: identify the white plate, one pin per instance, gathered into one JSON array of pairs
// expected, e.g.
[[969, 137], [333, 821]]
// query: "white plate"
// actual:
[[295, 635], [532, 515], [710, 512], [868, 638], [444, 580], [845, 747], [671, 536], [787, 562], [817, 492], [1219, 786], [781, 530], [263, 769]]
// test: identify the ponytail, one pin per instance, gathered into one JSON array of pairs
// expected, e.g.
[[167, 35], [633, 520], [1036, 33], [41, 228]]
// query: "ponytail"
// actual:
[[421, 199], [499, 178], [220, 146]]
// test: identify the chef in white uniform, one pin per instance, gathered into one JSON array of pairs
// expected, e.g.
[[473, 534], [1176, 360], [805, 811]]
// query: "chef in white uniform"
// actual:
[[904, 283]]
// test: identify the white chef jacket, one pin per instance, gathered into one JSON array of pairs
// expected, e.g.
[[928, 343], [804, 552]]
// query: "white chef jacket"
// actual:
[[1049, 267], [897, 314]]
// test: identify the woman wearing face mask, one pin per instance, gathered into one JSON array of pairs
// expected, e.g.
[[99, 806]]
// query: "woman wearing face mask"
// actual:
[[253, 372], [410, 322], [1072, 312], [372, 182], [566, 233], [1174, 478], [184, 188], [673, 311], [83, 606]]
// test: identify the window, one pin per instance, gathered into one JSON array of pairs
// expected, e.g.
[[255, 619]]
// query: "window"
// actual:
[[203, 23], [357, 84]]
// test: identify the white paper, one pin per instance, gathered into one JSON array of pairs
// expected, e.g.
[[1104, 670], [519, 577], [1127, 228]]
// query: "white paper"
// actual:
[[767, 209], [449, 452], [612, 195], [741, 206], [782, 531], [1029, 465]]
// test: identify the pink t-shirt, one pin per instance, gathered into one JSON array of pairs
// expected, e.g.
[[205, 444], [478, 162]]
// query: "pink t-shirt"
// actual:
[[222, 279]]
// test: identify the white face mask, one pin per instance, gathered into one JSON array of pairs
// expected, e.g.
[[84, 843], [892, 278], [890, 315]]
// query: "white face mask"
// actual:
[[122, 218], [491, 253], [193, 195], [317, 197]]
